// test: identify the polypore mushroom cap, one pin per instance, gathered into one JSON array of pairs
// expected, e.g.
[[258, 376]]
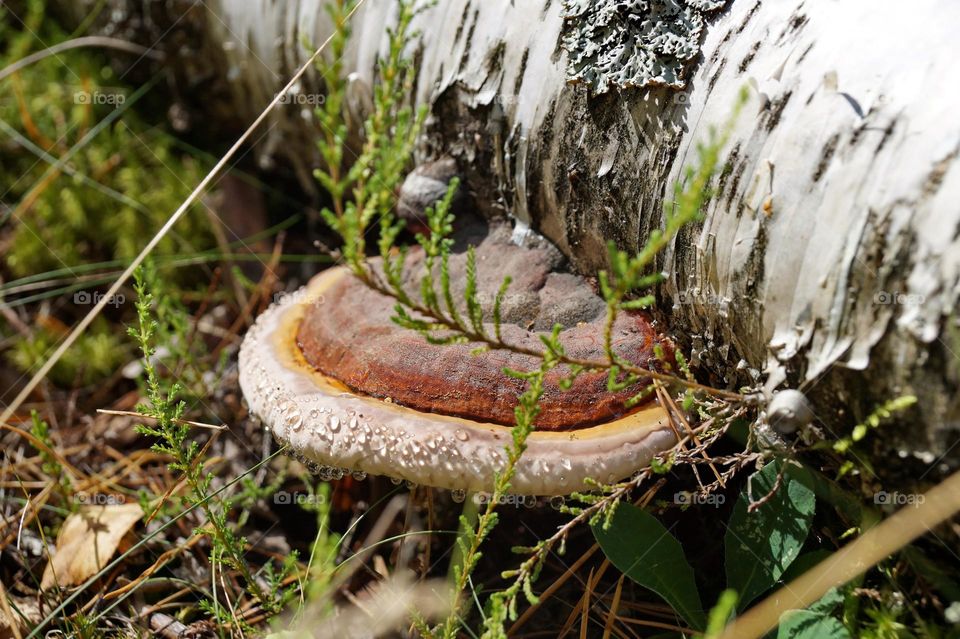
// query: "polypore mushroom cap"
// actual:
[[325, 422], [350, 337]]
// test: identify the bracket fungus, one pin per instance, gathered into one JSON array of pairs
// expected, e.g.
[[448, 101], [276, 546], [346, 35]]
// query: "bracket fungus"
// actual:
[[333, 377], [633, 43]]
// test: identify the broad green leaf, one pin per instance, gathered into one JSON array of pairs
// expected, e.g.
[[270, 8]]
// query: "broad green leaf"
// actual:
[[642, 549], [803, 624], [761, 545]]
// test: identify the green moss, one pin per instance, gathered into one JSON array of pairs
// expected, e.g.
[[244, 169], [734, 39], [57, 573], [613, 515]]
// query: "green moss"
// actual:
[[120, 178], [124, 185], [96, 355]]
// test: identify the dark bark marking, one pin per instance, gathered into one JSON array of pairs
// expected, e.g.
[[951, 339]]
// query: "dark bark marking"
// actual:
[[887, 134], [797, 22], [754, 269], [494, 61], [862, 127], [727, 169], [522, 72], [935, 178], [748, 17], [462, 24], [716, 75], [747, 59], [773, 109], [721, 47], [736, 172], [469, 40], [825, 156]]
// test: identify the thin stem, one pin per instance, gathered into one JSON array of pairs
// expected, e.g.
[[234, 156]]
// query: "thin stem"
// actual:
[[76, 43]]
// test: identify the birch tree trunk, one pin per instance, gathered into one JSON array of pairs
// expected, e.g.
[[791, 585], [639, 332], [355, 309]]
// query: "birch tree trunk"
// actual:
[[829, 259]]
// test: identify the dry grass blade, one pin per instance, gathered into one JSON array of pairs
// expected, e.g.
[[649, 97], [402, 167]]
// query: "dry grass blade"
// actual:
[[158, 563], [577, 609], [130, 413], [120, 281], [41, 446], [656, 624], [614, 606], [9, 622], [57, 612], [549, 592], [77, 43], [585, 608], [676, 410]]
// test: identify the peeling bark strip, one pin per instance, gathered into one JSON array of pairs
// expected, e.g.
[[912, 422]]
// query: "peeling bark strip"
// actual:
[[832, 243]]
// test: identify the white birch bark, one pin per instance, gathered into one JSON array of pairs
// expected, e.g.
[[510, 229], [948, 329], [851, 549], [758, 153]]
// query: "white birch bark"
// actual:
[[829, 257]]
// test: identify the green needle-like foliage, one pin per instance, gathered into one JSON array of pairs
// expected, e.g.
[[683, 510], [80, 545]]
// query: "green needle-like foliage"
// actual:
[[172, 435]]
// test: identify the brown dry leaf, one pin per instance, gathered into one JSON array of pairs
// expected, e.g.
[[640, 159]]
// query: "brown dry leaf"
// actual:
[[87, 541]]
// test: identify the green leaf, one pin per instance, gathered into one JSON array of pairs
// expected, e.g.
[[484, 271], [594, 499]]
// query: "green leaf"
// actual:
[[761, 545], [641, 548], [802, 624]]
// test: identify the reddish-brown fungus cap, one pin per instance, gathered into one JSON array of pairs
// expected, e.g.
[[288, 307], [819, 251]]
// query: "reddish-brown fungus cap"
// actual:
[[351, 337], [329, 373]]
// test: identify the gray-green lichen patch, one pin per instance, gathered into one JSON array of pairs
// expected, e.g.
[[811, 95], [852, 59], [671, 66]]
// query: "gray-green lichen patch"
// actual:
[[632, 43]]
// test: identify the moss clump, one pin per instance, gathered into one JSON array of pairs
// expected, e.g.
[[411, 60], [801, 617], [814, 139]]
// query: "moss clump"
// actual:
[[120, 182], [85, 181], [95, 356]]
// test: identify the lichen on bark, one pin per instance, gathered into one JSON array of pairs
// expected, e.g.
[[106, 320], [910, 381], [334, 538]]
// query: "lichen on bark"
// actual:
[[633, 43]]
